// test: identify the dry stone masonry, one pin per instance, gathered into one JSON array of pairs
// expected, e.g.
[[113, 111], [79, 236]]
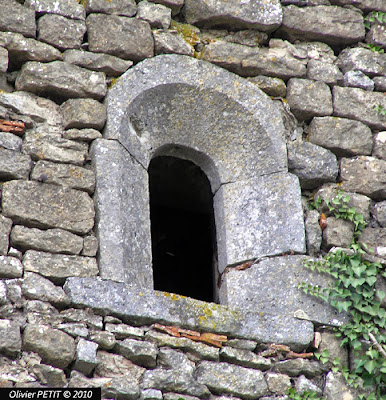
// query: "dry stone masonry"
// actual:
[[277, 102]]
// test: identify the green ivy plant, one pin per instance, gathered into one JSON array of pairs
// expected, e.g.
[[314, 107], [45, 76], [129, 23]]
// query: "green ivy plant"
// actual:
[[380, 110], [354, 292], [308, 395], [375, 16]]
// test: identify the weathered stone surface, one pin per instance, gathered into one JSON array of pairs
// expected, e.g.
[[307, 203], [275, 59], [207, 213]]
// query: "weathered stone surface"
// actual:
[[48, 206], [377, 35], [141, 353], [252, 61], [126, 8], [74, 329], [243, 344], [50, 376], [365, 5], [361, 59], [3, 294], [335, 350], [14, 165], [53, 346], [379, 212], [57, 266], [309, 99], [299, 366], [127, 38], [379, 148], [90, 246], [110, 65], [245, 37], [338, 233], [174, 380], [10, 338], [122, 331], [17, 18], [223, 378], [317, 51], [336, 387], [105, 340], [312, 164], [35, 287], [83, 113], [245, 289], [324, 71], [157, 15], [248, 219], [51, 240], [359, 80], [61, 32], [172, 359], [84, 135], [332, 25], [272, 86], [365, 175], [65, 175], [67, 8], [40, 312], [171, 42], [61, 79], [245, 358], [10, 267], [380, 83], [149, 306], [86, 356], [40, 146], [342, 136], [375, 239], [10, 141], [94, 322], [278, 383], [151, 394], [174, 5], [303, 384], [3, 59], [313, 232], [264, 16], [5, 229]]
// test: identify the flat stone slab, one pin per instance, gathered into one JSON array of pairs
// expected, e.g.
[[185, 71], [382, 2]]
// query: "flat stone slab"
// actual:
[[66, 8], [144, 306], [17, 18]]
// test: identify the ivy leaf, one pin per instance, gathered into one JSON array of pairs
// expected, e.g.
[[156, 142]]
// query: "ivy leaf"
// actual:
[[370, 366]]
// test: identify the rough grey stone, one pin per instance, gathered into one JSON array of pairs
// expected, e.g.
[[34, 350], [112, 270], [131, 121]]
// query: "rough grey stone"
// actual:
[[17, 18], [61, 79], [330, 342], [377, 35], [61, 32], [86, 356], [342, 136], [56, 149], [83, 113], [14, 165], [242, 344], [174, 5], [141, 353], [157, 15], [84, 135], [90, 246], [272, 86], [126, 38], [126, 8], [10, 338], [338, 233], [51, 240], [252, 61], [329, 24], [40, 312], [380, 83], [358, 79], [127, 244], [313, 232], [365, 175], [5, 229], [303, 385], [379, 212], [317, 51], [336, 387], [248, 217], [264, 16], [105, 340], [47, 206], [55, 347], [10, 141], [223, 378], [146, 306], [170, 42], [57, 266], [74, 329], [299, 366], [174, 380], [3, 294], [246, 37], [245, 358], [173, 359], [379, 148], [151, 394], [94, 322], [312, 164], [278, 383], [324, 71], [10, 267], [67, 8], [361, 59], [245, 290], [176, 396], [375, 239], [3, 59], [14, 292], [64, 175], [309, 99], [110, 65], [50, 376], [35, 287]]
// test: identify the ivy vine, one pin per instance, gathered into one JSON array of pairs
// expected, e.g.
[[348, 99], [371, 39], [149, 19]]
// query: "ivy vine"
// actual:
[[354, 292]]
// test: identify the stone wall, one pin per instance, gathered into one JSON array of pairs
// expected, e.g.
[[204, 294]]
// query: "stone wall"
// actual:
[[57, 62]]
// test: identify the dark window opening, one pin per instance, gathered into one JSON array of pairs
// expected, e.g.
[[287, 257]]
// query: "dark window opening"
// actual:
[[182, 228]]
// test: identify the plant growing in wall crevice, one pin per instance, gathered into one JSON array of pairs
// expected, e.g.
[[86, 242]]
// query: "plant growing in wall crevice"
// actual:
[[354, 291]]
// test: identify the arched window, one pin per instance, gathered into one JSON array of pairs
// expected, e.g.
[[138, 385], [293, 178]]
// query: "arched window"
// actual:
[[182, 228]]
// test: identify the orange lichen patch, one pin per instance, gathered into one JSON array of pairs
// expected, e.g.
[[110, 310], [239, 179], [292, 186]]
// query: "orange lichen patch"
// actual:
[[12, 126]]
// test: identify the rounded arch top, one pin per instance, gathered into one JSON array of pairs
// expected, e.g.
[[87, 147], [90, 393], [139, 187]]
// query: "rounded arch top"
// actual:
[[178, 100]]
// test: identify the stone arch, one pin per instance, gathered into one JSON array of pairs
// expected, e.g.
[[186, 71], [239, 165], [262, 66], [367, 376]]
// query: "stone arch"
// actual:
[[174, 104]]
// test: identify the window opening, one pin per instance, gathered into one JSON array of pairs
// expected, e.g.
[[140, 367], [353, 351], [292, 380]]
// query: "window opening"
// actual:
[[182, 228]]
